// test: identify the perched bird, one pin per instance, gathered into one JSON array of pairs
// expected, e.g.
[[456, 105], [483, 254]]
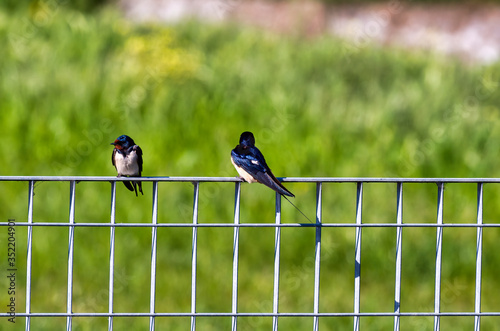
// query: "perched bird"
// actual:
[[251, 165], [127, 159]]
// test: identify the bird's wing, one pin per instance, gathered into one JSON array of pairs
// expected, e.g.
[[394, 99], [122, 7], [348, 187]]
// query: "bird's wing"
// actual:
[[247, 162], [113, 157], [129, 186], [255, 164], [269, 180], [138, 151]]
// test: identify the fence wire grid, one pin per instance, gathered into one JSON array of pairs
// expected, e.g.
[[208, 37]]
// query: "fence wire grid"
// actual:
[[275, 314]]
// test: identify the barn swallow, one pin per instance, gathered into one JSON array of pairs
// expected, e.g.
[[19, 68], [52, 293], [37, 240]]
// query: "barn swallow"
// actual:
[[127, 159], [252, 167]]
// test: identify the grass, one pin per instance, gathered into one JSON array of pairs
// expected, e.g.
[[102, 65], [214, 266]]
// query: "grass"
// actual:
[[70, 83]]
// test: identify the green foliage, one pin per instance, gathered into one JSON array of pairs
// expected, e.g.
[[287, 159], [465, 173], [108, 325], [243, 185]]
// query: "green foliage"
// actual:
[[95, 5], [47, 5], [71, 83]]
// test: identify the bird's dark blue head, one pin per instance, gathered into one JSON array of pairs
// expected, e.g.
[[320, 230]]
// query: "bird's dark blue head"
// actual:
[[247, 139], [123, 141]]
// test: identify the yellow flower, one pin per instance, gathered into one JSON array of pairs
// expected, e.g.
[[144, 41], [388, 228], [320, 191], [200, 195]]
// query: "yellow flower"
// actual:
[[153, 51]]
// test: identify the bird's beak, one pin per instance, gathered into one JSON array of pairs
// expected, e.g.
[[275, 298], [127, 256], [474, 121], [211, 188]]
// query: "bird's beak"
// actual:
[[113, 144]]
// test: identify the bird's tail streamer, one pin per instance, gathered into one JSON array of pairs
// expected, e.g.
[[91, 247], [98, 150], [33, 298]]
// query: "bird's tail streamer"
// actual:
[[300, 211]]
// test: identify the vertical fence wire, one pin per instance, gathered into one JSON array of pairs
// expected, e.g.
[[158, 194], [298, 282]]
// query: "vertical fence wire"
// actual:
[[111, 254], [277, 254], [479, 257], [28, 253], [153, 257], [69, 305], [317, 254], [236, 244], [439, 246], [194, 255], [357, 263], [399, 246]]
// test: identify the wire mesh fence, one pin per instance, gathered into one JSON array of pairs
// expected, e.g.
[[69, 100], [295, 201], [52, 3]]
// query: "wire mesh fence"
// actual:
[[318, 312]]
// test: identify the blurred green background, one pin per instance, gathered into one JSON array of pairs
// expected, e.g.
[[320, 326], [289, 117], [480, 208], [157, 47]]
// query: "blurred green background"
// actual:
[[72, 81]]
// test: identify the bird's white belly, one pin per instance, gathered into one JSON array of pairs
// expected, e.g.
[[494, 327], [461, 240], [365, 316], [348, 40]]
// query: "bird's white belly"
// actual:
[[127, 165], [245, 175]]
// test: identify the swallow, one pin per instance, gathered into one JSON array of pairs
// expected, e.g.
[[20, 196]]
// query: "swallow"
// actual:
[[127, 159], [252, 167]]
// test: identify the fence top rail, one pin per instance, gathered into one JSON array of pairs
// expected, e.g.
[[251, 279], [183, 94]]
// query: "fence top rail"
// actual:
[[237, 179]]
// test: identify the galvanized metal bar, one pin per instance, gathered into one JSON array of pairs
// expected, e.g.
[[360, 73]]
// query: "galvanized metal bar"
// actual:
[[439, 247], [153, 257], [262, 314], [31, 194], [479, 257], [317, 254], [111, 255], [69, 303], [237, 179], [277, 256], [357, 253], [236, 244], [194, 254], [120, 179], [259, 225], [399, 247]]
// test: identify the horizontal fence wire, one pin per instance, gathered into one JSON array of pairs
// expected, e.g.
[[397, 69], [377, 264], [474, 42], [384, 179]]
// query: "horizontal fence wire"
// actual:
[[237, 179], [261, 314], [319, 224], [256, 225]]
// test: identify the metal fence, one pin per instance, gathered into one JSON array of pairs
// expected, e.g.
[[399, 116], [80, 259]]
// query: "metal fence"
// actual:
[[356, 314]]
